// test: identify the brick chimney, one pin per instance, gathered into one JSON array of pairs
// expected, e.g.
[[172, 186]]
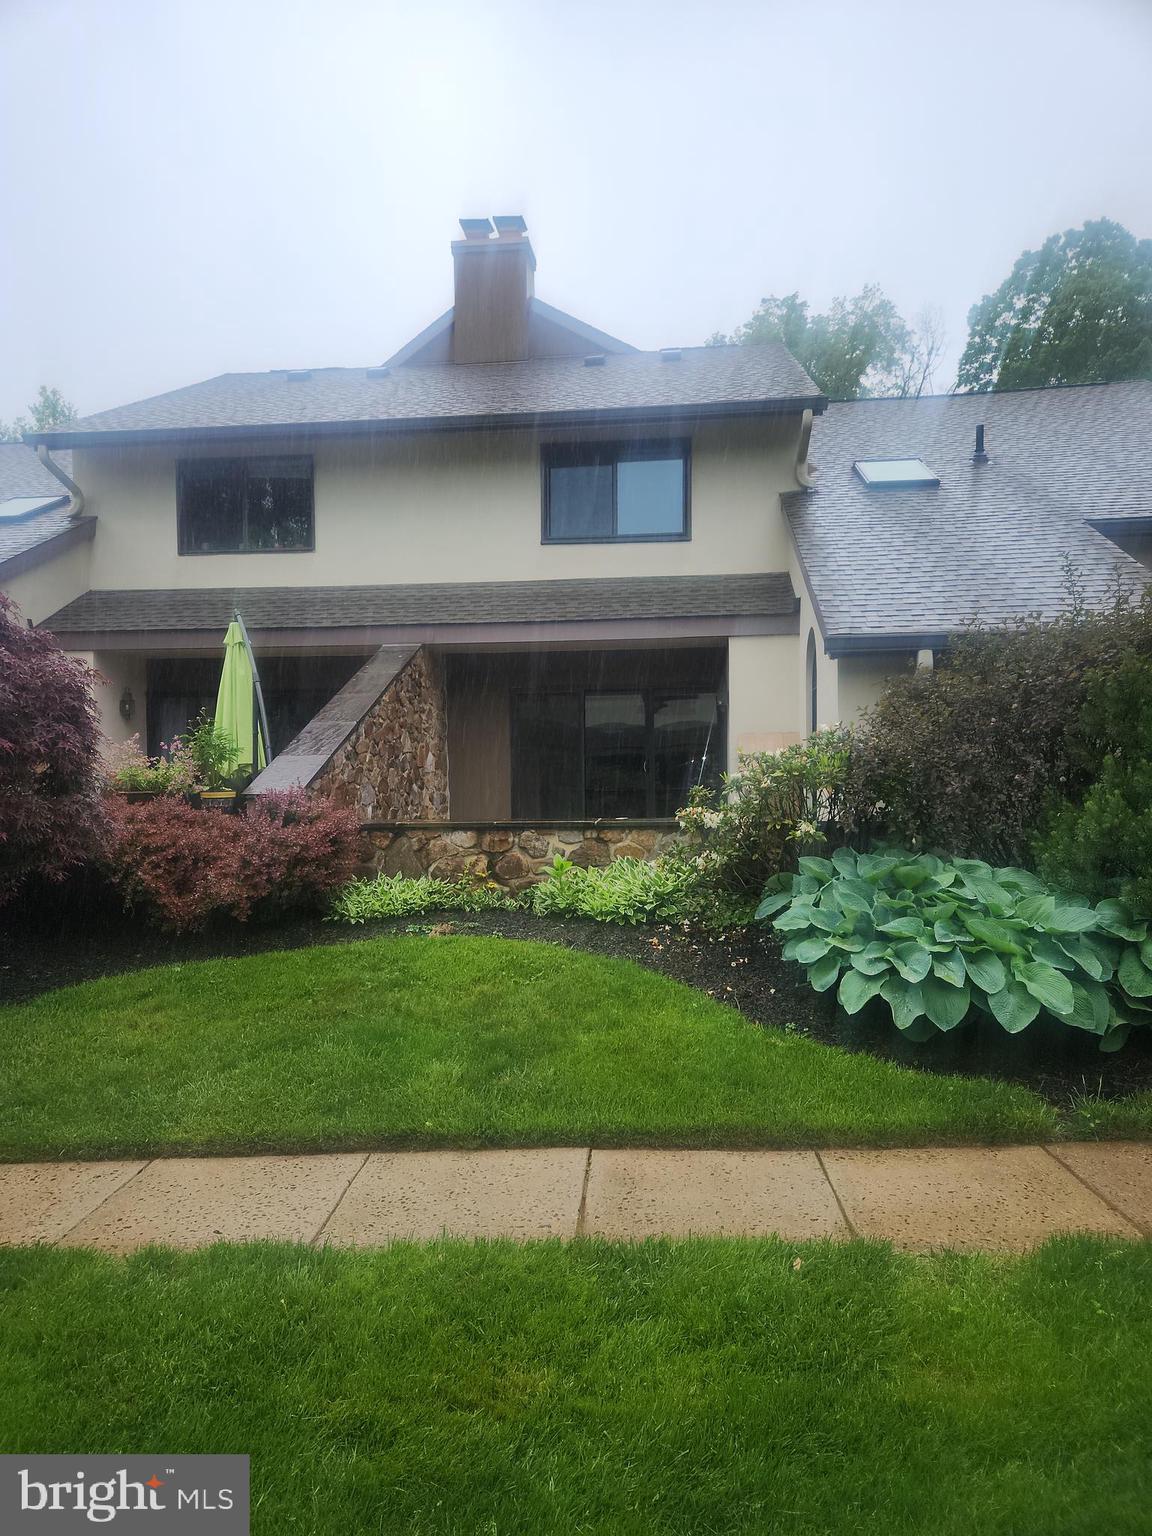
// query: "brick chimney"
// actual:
[[494, 282]]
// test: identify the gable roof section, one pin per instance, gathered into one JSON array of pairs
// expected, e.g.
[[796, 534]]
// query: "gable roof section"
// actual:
[[633, 386], [434, 341], [29, 540], [992, 541]]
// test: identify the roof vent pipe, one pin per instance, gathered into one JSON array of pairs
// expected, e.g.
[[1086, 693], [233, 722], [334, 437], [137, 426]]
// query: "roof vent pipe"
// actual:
[[77, 495], [980, 457]]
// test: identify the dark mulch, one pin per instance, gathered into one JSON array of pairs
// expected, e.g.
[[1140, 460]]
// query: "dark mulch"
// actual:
[[743, 967]]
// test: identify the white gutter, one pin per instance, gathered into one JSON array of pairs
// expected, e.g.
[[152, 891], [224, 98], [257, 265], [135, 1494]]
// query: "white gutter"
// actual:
[[77, 508]]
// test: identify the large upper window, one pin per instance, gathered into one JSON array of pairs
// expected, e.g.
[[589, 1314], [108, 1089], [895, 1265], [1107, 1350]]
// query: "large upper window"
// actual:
[[598, 492], [244, 506]]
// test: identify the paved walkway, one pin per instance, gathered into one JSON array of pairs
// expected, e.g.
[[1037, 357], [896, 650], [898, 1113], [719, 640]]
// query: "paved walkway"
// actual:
[[977, 1197]]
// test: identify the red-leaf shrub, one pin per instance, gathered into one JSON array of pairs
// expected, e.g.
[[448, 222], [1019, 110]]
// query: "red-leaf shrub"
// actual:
[[282, 853], [51, 817]]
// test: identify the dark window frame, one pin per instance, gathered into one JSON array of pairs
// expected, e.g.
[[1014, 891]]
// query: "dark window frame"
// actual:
[[589, 453], [243, 463], [650, 694]]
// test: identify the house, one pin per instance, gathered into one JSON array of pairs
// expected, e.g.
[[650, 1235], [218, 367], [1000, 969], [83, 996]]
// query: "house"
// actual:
[[523, 573]]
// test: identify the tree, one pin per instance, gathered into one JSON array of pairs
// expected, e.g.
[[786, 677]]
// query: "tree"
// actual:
[[50, 812], [1076, 311], [48, 410], [860, 347]]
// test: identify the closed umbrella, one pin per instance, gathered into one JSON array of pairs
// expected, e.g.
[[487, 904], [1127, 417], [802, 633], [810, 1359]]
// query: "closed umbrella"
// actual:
[[239, 703]]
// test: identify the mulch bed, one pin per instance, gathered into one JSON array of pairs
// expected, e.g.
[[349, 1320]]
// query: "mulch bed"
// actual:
[[743, 968]]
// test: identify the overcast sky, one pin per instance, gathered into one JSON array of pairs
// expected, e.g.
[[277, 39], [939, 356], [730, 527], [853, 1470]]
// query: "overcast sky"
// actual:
[[192, 188]]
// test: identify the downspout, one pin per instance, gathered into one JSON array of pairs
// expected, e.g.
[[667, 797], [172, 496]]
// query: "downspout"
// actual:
[[77, 508]]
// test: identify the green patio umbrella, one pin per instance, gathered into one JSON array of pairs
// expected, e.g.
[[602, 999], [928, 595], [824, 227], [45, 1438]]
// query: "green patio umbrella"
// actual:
[[240, 703]]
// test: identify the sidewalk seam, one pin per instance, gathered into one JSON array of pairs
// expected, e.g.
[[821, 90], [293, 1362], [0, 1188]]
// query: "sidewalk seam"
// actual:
[[844, 1217], [353, 1176], [582, 1208], [144, 1167], [1137, 1226]]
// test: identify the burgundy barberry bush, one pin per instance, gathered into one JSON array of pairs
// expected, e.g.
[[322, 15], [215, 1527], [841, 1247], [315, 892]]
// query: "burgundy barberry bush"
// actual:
[[182, 866], [51, 815]]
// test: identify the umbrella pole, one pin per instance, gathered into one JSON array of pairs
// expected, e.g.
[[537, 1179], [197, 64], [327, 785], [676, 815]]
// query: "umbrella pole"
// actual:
[[260, 714]]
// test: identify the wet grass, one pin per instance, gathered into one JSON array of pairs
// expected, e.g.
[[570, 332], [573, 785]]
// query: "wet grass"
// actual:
[[449, 1042], [664, 1389]]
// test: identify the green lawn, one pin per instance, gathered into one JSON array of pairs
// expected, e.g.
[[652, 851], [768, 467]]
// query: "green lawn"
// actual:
[[695, 1388], [447, 1042]]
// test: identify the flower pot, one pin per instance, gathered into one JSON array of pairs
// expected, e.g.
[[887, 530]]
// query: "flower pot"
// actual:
[[218, 799]]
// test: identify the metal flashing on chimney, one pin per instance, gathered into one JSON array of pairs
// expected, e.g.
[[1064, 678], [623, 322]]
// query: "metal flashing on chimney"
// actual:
[[476, 229], [510, 225]]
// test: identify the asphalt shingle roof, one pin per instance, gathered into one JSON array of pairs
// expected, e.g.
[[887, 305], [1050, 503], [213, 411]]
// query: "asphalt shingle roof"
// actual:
[[22, 474], [991, 540], [710, 378], [489, 602]]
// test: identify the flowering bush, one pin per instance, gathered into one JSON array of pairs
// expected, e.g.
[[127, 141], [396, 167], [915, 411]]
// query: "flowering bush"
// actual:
[[183, 866], [776, 805], [50, 812], [128, 767]]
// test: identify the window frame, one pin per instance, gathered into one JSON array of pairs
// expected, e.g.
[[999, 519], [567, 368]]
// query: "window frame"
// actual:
[[572, 455], [243, 461]]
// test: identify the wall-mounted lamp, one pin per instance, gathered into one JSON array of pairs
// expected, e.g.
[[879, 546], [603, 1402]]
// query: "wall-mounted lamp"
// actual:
[[127, 704]]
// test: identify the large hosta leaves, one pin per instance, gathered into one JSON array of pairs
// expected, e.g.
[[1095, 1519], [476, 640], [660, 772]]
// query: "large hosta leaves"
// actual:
[[857, 989], [935, 939]]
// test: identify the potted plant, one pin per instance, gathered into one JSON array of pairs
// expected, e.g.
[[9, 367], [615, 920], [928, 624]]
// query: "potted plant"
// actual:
[[214, 753], [136, 776]]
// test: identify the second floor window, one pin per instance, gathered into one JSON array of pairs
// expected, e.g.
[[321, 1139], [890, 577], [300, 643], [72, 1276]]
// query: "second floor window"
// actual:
[[244, 506], [597, 493]]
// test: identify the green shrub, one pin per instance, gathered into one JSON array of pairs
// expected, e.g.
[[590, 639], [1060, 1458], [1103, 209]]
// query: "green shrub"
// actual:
[[362, 901], [1103, 844], [969, 756], [937, 940], [626, 891], [776, 804]]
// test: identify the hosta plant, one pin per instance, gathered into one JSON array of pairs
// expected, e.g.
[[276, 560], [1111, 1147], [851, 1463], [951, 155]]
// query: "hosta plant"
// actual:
[[936, 940]]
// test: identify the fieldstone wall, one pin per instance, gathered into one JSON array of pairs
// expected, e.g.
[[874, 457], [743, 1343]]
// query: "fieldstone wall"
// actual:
[[394, 764], [511, 853]]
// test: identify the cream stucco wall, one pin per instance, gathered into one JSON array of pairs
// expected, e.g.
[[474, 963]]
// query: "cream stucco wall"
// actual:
[[862, 678], [118, 671], [763, 702], [440, 507], [44, 588]]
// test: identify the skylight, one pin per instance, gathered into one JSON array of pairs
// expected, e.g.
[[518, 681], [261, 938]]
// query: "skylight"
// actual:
[[886, 474], [13, 508]]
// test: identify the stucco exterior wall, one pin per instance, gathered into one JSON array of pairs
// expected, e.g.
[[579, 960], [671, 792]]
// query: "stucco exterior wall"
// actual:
[[43, 589], [763, 700], [862, 679], [117, 672], [439, 507]]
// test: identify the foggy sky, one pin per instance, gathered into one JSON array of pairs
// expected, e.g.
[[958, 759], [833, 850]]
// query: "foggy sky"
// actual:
[[191, 188]]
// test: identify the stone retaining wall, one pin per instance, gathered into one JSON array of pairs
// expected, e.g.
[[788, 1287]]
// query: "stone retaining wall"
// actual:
[[394, 763], [510, 853]]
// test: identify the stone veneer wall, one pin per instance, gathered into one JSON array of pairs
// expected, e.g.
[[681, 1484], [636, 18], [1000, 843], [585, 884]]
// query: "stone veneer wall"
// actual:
[[511, 853], [394, 765]]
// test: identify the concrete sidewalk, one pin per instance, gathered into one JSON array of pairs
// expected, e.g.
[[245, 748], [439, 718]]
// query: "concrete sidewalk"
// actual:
[[1007, 1198]]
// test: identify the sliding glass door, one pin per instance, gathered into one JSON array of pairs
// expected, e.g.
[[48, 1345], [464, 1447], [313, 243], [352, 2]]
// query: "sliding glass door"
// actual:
[[596, 754]]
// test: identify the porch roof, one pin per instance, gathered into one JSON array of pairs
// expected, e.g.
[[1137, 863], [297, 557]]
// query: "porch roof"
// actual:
[[765, 598]]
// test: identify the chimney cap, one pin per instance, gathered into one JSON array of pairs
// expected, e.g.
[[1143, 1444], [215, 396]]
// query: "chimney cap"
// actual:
[[510, 225], [476, 229]]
